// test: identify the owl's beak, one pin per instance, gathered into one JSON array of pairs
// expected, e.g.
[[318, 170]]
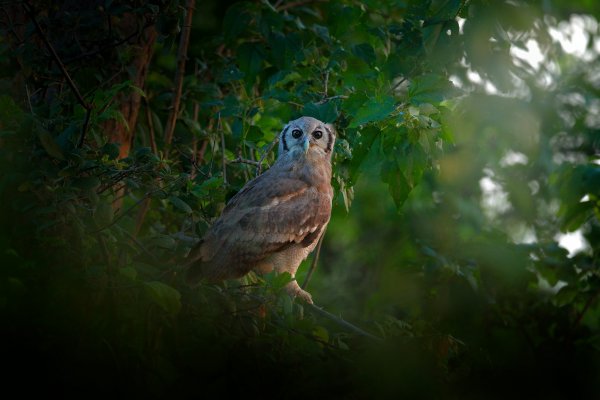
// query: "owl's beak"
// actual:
[[306, 144]]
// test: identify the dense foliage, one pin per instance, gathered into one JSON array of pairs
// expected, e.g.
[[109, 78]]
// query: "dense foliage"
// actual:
[[457, 167]]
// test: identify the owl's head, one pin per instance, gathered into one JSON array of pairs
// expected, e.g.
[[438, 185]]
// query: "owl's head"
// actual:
[[307, 134]]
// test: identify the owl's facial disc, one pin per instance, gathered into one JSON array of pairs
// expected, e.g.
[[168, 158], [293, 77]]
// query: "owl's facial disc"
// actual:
[[307, 134]]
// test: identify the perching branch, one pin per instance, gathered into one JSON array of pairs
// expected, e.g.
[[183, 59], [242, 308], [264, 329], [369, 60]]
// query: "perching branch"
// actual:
[[342, 322], [179, 74], [88, 107]]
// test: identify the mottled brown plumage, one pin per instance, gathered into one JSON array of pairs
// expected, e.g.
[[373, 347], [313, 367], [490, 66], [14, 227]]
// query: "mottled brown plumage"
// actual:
[[276, 219]]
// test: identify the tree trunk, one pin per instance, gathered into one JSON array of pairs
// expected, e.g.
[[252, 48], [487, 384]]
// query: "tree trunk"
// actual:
[[129, 104]]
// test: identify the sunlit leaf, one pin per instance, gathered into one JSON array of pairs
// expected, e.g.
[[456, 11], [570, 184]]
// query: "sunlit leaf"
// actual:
[[164, 296]]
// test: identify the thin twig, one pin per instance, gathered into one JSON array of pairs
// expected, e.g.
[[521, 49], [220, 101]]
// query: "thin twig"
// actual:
[[28, 98], [342, 322], [586, 307], [151, 128], [241, 160], [122, 214], [10, 25], [113, 45], [223, 158], [84, 128], [139, 220], [315, 260], [140, 245], [194, 137], [264, 155], [400, 82], [29, 10], [327, 99], [179, 74], [201, 152], [325, 91]]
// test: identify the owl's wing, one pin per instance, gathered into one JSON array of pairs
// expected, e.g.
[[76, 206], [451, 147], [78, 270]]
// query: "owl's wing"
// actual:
[[268, 214]]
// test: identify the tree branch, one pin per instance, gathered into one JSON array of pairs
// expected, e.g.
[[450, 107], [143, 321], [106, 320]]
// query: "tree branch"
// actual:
[[181, 58], [88, 107]]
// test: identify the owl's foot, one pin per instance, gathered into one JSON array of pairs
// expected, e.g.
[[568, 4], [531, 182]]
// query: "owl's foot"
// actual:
[[294, 290]]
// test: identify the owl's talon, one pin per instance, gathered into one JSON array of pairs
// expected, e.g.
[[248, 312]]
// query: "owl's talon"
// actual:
[[294, 290]]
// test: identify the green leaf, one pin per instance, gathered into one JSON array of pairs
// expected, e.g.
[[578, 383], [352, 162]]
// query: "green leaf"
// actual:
[[280, 280], [397, 184], [326, 112], [129, 273], [365, 52], [236, 20], [361, 145], [429, 88], [104, 213], [11, 115], [208, 186], [230, 73], [254, 134], [163, 241], [575, 215], [285, 50], [87, 183], [112, 150], [249, 58], [283, 77], [180, 204], [51, 147], [321, 333], [443, 10], [166, 297], [565, 295], [373, 110], [322, 32]]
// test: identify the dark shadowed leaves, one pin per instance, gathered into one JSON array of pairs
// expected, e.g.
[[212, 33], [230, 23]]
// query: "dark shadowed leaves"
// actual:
[[326, 112]]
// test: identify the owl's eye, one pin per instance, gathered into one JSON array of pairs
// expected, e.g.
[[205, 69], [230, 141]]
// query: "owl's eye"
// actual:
[[317, 134], [296, 133]]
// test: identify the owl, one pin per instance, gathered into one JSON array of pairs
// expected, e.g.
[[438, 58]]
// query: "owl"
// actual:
[[275, 221]]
